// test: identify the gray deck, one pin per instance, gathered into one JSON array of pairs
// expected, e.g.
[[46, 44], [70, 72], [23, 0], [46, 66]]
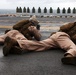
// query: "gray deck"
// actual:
[[36, 63]]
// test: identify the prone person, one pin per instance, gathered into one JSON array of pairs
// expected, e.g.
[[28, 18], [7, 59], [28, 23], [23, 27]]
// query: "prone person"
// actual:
[[61, 39], [29, 28]]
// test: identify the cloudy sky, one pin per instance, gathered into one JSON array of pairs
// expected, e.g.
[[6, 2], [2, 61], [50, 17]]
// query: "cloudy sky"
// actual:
[[12, 4]]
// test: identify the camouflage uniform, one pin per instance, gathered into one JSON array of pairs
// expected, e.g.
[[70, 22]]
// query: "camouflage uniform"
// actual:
[[61, 39], [70, 29], [24, 26]]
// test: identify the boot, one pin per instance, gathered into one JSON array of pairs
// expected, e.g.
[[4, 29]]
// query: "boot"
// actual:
[[1, 43], [69, 60], [8, 43], [16, 50]]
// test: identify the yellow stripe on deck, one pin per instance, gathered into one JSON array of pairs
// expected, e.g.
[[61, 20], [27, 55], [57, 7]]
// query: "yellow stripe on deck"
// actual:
[[42, 27], [3, 26]]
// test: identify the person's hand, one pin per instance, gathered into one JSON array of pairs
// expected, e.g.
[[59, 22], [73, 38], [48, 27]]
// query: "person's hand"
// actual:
[[31, 28]]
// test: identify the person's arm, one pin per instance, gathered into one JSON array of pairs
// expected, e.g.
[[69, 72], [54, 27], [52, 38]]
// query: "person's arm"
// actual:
[[36, 33]]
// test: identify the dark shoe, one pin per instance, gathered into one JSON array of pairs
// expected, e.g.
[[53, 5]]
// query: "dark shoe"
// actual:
[[7, 46], [16, 50], [69, 60], [8, 43], [1, 43]]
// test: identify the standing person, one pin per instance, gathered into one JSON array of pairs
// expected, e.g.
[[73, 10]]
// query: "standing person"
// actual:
[[57, 40]]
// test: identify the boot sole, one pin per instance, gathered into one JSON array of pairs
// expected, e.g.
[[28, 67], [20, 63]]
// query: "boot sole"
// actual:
[[69, 60]]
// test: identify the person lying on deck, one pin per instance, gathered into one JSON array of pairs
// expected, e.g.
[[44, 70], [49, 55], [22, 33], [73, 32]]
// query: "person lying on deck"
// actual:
[[65, 39]]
